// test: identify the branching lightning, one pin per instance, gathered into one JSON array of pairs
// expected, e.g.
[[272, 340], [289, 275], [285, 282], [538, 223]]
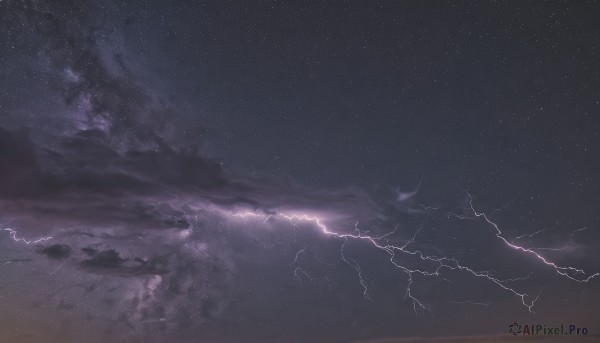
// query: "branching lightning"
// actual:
[[433, 265], [381, 242], [564, 271]]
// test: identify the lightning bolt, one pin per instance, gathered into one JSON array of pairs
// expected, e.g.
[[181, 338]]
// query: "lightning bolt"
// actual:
[[299, 271], [13, 234], [437, 264], [564, 271], [528, 235], [441, 263]]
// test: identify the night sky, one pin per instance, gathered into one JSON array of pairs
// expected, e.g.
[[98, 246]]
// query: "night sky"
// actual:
[[298, 171]]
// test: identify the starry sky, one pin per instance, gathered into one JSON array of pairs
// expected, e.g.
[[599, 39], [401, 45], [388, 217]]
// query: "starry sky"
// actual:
[[298, 171]]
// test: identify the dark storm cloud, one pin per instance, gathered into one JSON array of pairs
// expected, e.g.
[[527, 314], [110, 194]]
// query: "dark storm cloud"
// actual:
[[104, 259], [83, 181], [110, 262], [116, 168], [91, 164], [56, 251]]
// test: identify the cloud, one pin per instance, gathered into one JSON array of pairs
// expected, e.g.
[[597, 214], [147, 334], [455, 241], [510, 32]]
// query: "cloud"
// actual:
[[114, 165], [110, 262], [56, 251], [124, 200], [84, 182], [104, 259]]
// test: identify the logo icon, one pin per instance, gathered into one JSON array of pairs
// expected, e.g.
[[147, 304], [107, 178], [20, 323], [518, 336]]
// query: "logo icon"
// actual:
[[514, 328]]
